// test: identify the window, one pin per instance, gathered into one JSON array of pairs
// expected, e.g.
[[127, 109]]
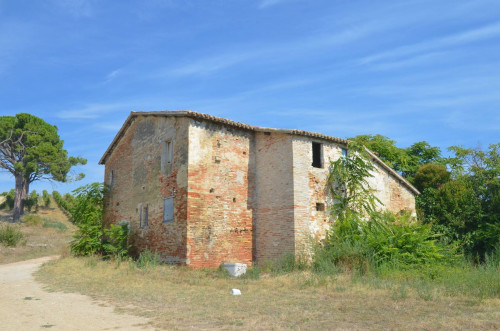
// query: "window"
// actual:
[[111, 178], [168, 210], [317, 157], [166, 155], [344, 153], [320, 206], [143, 215]]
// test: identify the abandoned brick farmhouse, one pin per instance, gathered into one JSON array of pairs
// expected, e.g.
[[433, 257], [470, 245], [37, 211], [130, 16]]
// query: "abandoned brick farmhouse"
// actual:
[[202, 190]]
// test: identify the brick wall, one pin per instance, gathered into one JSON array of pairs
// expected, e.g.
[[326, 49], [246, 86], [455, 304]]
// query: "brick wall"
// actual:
[[310, 188], [141, 180], [239, 195], [220, 195], [274, 196]]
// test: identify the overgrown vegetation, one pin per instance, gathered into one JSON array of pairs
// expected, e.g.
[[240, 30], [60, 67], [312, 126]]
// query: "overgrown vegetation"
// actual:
[[384, 246], [93, 237], [460, 193]]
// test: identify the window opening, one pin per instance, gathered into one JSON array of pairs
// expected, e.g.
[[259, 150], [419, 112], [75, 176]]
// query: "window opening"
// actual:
[[168, 210], [344, 153], [166, 155], [320, 206], [143, 215], [317, 161], [112, 178]]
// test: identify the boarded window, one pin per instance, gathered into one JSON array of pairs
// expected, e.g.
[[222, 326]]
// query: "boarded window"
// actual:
[[317, 159], [143, 215], [168, 210], [320, 206]]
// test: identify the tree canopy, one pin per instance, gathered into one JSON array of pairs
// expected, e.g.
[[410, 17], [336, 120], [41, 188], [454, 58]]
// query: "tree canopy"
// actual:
[[460, 194], [31, 150]]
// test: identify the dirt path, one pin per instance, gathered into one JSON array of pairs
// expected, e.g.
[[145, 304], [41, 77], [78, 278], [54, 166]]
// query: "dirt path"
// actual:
[[24, 305]]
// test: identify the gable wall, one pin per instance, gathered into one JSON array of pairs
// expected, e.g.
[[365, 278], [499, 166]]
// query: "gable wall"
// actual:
[[139, 180], [394, 195], [220, 195], [310, 185]]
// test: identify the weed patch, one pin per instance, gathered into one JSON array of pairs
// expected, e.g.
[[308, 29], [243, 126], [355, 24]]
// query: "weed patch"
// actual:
[[11, 235]]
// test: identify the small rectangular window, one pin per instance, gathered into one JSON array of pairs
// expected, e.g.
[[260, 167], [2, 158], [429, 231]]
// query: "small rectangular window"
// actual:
[[111, 178], [167, 151], [166, 156], [143, 215], [317, 157], [168, 210], [320, 206]]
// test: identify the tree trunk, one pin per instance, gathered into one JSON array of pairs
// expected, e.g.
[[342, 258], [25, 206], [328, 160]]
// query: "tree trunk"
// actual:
[[25, 194], [18, 197]]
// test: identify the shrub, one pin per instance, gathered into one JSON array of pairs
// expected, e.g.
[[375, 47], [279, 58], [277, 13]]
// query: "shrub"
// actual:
[[148, 259], [32, 201], [115, 242], [46, 198], [385, 238], [87, 214], [92, 237], [9, 200], [11, 235], [65, 206]]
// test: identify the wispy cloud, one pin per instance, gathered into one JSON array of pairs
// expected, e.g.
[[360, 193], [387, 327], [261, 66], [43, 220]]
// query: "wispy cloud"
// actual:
[[215, 63], [276, 52], [112, 75], [485, 32]]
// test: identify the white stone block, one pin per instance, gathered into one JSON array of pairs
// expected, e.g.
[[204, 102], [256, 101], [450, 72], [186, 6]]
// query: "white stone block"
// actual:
[[235, 269], [235, 291]]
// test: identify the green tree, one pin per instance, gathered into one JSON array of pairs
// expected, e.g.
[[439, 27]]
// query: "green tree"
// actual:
[[31, 150], [431, 175], [406, 161]]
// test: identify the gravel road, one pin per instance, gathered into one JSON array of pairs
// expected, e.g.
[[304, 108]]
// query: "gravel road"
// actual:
[[24, 305]]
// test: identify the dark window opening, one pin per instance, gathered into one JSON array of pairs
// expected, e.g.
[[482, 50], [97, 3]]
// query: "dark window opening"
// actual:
[[317, 161], [344, 153], [320, 206]]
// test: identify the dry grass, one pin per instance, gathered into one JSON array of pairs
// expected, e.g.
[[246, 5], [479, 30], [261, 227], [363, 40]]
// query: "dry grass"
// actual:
[[41, 239], [179, 298]]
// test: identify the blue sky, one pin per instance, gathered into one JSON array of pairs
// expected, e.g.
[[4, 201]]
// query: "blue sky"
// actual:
[[410, 70]]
